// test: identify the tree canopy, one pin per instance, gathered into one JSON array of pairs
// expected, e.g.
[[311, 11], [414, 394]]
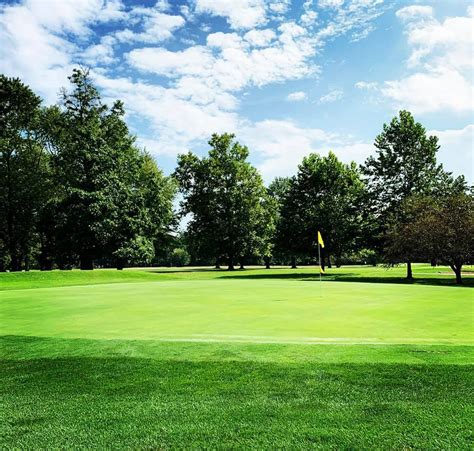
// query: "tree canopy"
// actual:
[[227, 200], [325, 195]]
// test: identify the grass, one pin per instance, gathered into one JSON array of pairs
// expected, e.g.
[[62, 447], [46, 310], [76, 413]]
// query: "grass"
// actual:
[[250, 359], [424, 275]]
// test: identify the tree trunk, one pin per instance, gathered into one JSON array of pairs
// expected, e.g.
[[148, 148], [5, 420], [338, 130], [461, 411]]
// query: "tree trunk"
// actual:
[[14, 261], [231, 264], [322, 262], [217, 263], [267, 262], [457, 271], [120, 264], [329, 261], [293, 262], [46, 264], [409, 271], [86, 262]]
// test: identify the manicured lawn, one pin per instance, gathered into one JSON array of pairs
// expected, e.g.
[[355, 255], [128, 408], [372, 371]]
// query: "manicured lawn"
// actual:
[[249, 359]]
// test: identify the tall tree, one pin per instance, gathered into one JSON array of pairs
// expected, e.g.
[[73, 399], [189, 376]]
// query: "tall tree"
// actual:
[[225, 198], [286, 243], [278, 190], [144, 217], [24, 173], [404, 164], [325, 195], [104, 207]]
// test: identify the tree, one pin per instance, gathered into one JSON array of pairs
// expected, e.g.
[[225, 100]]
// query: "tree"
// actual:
[[404, 165], [440, 228], [325, 195], [24, 173], [226, 200], [179, 257], [277, 190], [113, 203]]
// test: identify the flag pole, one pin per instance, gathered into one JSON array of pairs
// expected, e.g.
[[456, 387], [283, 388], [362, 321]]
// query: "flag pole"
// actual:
[[319, 261]]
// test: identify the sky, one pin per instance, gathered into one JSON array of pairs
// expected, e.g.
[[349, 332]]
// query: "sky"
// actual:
[[288, 77]]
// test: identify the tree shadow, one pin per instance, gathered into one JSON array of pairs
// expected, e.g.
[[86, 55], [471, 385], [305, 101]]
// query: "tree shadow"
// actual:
[[181, 270], [331, 276], [354, 277]]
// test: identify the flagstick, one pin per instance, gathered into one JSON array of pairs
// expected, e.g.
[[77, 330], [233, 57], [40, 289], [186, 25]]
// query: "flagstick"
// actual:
[[320, 279]]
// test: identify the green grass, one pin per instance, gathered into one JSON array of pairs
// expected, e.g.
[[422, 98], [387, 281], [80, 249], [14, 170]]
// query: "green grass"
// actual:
[[249, 359], [424, 275]]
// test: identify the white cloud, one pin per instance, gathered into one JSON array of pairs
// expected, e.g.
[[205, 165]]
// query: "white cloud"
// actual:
[[283, 144], [224, 40], [330, 3], [279, 6], [157, 26], [355, 17], [191, 61], [260, 38], [71, 16], [431, 91], [297, 96], [414, 12], [309, 18], [240, 14], [175, 121], [369, 85], [102, 53], [332, 96], [457, 150], [236, 65], [442, 58], [34, 39]]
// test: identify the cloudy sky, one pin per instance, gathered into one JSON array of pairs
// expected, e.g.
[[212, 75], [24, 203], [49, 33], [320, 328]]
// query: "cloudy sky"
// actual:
[[287, 76]]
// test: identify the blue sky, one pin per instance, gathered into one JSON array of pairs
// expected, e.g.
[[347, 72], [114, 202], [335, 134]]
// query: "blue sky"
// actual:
[[288, 77]]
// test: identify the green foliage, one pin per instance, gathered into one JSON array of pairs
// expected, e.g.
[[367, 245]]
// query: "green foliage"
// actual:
[[113, 201], [436, 229], [404, 164], [179, 257], [325, 195], [227, 201], [139, 250], [24, 174]]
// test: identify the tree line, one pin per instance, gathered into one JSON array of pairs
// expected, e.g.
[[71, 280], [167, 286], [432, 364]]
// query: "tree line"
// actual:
[[77, 191]]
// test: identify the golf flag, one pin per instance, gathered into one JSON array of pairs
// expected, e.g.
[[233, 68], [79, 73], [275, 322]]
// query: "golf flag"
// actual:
[[321, 270], [320, 239]]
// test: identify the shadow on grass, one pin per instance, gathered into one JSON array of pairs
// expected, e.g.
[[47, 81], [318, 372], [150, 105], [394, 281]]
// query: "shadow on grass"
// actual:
[[331, 276], [354, 277], [97, 402]]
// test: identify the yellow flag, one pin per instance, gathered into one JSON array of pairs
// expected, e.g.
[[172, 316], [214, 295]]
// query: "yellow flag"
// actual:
[[320, 239], [321, 270]]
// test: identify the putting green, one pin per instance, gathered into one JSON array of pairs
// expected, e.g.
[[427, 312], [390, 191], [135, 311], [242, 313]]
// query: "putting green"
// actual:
[[244, 310]]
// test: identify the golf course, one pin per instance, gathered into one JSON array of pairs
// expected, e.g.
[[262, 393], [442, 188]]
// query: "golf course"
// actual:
[[197, 357]]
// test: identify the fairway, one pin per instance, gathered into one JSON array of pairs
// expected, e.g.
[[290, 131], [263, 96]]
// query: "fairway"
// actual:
[[254, 358]]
